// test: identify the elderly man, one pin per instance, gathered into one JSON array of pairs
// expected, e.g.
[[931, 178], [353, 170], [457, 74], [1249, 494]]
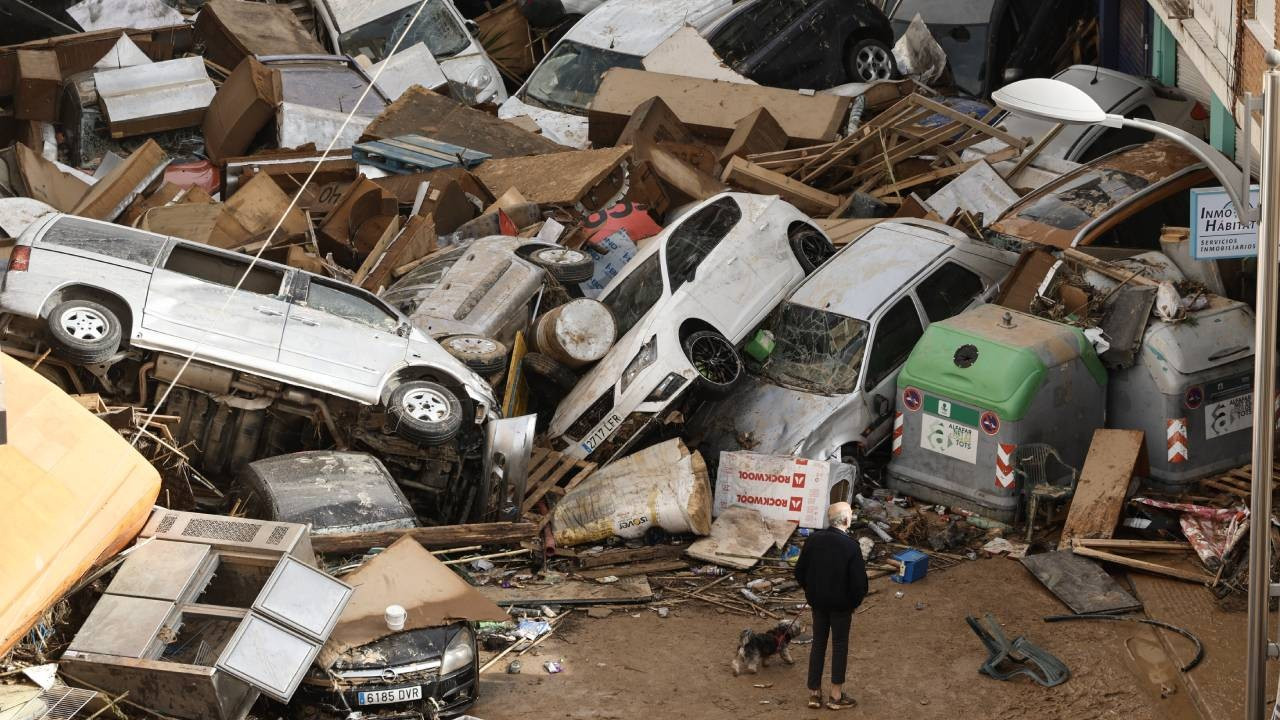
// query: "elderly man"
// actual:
[[834, 578]]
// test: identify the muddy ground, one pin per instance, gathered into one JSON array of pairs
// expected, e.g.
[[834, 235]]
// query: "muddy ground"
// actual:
[[913, 657]]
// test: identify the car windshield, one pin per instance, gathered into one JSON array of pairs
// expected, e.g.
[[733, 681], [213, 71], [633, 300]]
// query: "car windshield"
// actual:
[[569, 77], [814, 350], [635, 295], [436, 27], [1083, 198]]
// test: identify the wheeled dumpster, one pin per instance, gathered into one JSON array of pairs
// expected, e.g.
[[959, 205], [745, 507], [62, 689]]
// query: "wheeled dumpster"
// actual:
[[978, 385], [1191, 391]]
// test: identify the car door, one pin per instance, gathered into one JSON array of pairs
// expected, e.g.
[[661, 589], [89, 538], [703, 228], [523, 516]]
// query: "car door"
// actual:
[[343, 333], [780, 43], [717, 276], [894, 333], [193, 304]]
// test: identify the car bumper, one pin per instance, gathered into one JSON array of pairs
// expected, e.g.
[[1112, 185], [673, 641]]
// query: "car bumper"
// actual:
[[619, 419], [446, 695]]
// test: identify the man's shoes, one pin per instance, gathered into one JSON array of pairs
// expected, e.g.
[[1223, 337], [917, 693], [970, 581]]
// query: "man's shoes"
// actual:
[[844, 701], [815, 700]]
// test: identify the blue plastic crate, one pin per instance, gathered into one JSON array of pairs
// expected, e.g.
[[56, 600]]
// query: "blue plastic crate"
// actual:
[[912, 565]]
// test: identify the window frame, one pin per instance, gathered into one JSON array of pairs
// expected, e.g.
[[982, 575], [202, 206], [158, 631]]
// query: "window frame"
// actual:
[[674, 283], [303, 296], [933, 273], [868, 383], [281, 292]]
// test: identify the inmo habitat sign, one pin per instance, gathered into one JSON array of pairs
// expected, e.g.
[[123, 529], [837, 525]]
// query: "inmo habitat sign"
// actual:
[[1216, 230]]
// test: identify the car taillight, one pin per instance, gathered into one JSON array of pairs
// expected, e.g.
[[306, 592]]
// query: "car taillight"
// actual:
[[20, 258], [1199, 112]]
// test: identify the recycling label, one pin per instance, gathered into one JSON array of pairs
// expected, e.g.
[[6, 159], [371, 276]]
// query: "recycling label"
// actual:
[[949, 438], [1227, 416]]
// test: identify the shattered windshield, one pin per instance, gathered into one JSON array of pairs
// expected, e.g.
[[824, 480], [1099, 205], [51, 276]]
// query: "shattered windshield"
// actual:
[[436, 27], [635, 295], [568, 78], [815, 350], [1081, 200]]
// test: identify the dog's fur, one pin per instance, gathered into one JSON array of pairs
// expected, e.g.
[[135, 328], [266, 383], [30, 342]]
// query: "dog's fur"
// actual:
[[755, 649]]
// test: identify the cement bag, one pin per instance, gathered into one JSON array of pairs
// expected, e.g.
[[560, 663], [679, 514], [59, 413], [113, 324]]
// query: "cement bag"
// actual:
[[664, 486]]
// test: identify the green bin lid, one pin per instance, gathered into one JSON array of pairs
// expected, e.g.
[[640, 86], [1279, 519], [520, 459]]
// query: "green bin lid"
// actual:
[[979, 359]]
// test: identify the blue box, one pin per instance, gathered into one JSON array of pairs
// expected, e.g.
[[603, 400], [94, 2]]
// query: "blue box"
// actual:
[[912, 566]]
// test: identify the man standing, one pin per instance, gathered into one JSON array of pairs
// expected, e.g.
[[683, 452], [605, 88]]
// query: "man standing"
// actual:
[[834, 578]]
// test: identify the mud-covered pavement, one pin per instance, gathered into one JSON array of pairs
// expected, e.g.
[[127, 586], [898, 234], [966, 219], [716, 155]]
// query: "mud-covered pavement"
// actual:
[[904, 662]]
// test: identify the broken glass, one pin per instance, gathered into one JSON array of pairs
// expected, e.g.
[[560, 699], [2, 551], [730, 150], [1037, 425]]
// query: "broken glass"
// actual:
[[815, 350], [1080, 200], [568, 78], [435, 27], [636, 294]]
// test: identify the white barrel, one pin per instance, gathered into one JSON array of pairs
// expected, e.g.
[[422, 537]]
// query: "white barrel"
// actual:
[[577, 333]]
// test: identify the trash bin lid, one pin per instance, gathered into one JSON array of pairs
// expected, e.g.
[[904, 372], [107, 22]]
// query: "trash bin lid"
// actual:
[[1219, 334], [978, 359]]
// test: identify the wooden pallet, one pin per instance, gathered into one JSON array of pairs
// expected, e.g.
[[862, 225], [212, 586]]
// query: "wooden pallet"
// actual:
[[1237, 481], [552, 474]]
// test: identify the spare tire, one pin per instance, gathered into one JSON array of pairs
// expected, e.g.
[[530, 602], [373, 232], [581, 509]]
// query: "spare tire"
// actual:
[[425, 412], [544, 367], [482, 354], [84, 332], [566, 265]]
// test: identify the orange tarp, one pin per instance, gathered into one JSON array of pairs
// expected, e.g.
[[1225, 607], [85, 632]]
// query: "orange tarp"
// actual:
[[72, 492]]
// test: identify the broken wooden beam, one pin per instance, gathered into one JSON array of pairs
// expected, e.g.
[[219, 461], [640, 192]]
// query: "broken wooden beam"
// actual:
[[432, 538], [749, 176]]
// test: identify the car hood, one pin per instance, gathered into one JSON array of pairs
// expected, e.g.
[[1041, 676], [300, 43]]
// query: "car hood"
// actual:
[[605, 374], [766, 418], [402, 648], [561, 127]]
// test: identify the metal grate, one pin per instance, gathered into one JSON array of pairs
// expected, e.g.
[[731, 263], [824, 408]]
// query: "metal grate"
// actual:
[[62, 702], [277, 535], [166, 523], [222, 530]]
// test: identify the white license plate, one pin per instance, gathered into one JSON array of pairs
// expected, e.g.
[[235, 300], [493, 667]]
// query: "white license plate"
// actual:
[[394, 695], [949, 438], [600, 432], [1227, 416]]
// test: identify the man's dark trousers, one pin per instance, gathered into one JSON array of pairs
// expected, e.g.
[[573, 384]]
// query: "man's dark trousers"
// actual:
[[837, 623]]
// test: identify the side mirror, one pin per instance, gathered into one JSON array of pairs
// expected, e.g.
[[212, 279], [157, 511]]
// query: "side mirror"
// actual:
[[403, 330], [882, 406], [472, 26]]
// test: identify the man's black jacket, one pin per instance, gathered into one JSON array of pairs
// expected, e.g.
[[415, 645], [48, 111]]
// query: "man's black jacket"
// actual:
[[831, 571]]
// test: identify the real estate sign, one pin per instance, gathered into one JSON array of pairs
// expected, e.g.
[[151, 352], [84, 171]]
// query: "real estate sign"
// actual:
[[1216, 230]]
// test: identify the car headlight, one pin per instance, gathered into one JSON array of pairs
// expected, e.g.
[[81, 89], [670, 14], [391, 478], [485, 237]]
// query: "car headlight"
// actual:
[[460, 653], [643, 359], [665, 389], [477, 83]]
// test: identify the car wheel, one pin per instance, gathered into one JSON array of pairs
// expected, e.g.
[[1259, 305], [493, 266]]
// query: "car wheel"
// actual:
[[566, 265], [425, 412], [84, 332], [870, 60], [811, 248], [481, 354], [548, 369], [716, 359]]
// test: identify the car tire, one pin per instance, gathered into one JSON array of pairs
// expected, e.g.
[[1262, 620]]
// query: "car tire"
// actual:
[[811, 248], [566, 265], [548, 369], [425, 412], [869, 60], [84, 332], [716, 359], [479, 353]]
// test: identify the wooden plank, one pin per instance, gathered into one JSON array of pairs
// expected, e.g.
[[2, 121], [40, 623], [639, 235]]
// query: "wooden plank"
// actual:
[[1179, 573], [584, 471], [644, 568], [572, 592], [1114, 456], [749, 176], [755, 133], [629, 555], [940, 173], [565, 464], [972, 123], [1137, 545], [432, 538]]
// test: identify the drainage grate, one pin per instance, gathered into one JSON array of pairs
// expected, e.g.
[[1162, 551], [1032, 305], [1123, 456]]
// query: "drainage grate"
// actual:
[[222, 530]]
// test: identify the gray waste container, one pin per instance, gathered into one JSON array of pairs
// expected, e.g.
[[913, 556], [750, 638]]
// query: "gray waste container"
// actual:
[[978, 385], [1190, 390]]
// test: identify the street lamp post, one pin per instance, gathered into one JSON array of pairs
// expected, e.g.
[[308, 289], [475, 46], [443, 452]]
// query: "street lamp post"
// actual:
[[1056, 101]]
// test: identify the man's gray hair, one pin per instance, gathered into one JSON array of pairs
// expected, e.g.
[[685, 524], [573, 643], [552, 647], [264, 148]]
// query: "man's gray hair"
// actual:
[[840, 515]]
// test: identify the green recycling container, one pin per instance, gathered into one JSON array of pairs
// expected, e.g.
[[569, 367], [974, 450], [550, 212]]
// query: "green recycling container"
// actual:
[[976, 387]]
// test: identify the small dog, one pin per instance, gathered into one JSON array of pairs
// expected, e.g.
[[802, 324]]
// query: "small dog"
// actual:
[[755, 649]]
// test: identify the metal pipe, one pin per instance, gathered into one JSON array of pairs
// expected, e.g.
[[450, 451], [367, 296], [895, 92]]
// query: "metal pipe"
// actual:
[[1264, 383], [144, 373]]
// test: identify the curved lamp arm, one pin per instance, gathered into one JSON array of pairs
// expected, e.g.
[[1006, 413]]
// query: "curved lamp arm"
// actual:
[[1232, 178]]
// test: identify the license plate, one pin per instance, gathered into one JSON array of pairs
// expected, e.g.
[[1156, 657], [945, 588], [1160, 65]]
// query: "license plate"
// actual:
[[394, 695], [949, 438], [1228, 416], [600, 432]]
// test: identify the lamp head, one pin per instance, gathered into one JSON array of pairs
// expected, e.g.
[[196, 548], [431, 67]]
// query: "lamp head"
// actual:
[[1050, 100]]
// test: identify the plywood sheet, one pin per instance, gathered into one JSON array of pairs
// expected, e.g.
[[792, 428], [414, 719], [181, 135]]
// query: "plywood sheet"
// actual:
[[1114, 456], [422, 112], [1080, 583]]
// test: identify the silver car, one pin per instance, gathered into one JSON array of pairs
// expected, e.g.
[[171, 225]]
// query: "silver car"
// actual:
[[826, 391], [99, 287]]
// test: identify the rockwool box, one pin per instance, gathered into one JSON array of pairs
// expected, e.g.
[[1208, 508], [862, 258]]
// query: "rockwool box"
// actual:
[[781, 486]]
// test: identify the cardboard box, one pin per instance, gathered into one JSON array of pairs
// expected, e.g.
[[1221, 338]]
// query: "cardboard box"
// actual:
[[232, 30], [243, 105], [39, 84], [780, 486], [113, 193], [712, 108]]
